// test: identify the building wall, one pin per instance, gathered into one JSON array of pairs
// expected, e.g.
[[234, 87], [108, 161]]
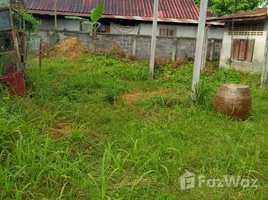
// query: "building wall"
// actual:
[[140, 45], [266, 25], [164, 46], [63, 24], [183, 30], [217, 32], [258, 55]]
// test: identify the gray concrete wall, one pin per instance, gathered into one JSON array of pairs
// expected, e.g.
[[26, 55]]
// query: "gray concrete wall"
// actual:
[[106, 41], [139, 45]]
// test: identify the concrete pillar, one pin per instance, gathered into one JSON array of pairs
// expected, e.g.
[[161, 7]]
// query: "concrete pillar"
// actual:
[[174, 49], [211, 53], [134, 49]]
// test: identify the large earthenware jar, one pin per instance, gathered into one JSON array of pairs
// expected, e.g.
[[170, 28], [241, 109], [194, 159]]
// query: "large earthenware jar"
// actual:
[[233, 100]]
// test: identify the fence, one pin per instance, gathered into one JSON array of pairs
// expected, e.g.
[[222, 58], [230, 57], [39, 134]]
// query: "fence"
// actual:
[[33, 51], [139, 45]]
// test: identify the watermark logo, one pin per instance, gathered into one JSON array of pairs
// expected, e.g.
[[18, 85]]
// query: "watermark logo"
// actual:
[[190, 181], [187, 181]]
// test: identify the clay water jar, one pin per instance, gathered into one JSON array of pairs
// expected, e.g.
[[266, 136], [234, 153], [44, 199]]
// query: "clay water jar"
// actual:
[[234, 100]]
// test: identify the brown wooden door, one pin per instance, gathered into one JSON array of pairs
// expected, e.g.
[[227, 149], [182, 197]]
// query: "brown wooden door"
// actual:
[[242, 50], [250, 50], [235, 49]]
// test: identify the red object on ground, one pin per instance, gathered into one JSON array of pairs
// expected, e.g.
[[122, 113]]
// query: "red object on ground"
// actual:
[[16, 83], [10, 69]]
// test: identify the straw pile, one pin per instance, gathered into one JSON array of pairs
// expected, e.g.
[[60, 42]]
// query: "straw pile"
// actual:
[[69, 48]]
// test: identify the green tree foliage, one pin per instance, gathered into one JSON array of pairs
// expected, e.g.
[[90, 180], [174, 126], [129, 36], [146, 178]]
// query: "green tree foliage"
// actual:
[[226, 7], [95, 16], [30, 24]]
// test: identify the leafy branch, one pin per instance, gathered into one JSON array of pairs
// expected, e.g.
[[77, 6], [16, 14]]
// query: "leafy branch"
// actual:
[[95, 16]]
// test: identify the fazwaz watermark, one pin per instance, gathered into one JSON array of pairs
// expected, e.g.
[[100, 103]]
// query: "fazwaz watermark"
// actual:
[[190, 181]]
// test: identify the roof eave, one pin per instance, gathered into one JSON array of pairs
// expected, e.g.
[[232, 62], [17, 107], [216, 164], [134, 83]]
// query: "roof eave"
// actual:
[[243, 19], [248, 17], [134, 18]]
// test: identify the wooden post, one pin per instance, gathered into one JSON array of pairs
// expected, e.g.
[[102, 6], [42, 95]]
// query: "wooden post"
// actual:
[[153, 43], [25, 46], [134, 45], [40, 52], [174, 49], [199, 46], [55, 16], [265, 65], [211, 54], [15, 41], [91, 38], [55, 32], [24, 25], [205, 48]]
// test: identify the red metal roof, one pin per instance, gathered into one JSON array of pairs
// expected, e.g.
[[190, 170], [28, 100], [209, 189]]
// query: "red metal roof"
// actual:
[[174, 9]]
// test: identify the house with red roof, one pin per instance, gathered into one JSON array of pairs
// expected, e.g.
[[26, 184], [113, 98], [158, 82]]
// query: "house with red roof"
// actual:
[[177, 18]]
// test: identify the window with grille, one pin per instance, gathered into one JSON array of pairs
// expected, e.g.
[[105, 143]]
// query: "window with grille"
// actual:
[[168, 32], [243, 50], [247, 29]]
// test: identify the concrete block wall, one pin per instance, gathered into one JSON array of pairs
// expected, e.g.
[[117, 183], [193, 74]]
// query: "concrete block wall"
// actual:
[[164, 47], [140, 45], [143, 47], [185, 47], [106, 41]]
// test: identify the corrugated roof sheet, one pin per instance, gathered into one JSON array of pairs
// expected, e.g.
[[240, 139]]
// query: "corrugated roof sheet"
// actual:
[[173, 9], [260, 12], [136, 18]]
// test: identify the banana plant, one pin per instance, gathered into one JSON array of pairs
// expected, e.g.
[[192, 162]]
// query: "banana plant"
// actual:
[[95, 16]]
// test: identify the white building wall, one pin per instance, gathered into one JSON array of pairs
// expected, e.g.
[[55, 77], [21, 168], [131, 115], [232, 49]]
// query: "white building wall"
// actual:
[[217, 32], [144, 28], [63, 24], [183, 30], [71, 25], [186, 31]]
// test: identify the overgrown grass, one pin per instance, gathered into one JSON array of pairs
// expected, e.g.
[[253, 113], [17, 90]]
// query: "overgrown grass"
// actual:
[[100, 128]]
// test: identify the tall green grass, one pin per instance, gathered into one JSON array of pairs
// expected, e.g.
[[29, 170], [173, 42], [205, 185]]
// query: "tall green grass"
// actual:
[[75, 137]]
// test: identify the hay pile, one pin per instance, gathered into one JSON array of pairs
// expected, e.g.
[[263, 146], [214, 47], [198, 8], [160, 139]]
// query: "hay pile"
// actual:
[[69, 48]]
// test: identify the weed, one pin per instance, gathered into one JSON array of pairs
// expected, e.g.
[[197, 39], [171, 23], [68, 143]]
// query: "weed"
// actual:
[[98, 128], [203, 94]]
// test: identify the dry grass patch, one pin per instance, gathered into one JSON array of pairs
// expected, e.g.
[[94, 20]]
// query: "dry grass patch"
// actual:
[[61, 130], [137, 95]]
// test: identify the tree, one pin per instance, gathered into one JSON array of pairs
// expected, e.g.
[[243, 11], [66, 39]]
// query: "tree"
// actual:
[[19, 4], [22, 20], [95, 16], [55, 35], [227, 7]]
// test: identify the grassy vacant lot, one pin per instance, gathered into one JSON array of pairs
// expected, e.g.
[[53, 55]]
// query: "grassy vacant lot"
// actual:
[[99, 128]]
